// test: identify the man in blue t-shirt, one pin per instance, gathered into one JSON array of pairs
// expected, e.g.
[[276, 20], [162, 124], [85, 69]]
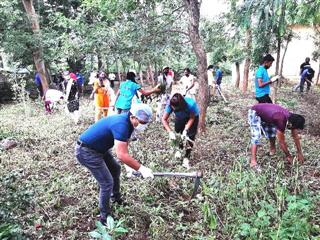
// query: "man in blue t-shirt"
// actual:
[[306, 76], [93, 151], [218, 76], [186, 121], [262, 80], [80, 82], [126, 92], [37, 81]]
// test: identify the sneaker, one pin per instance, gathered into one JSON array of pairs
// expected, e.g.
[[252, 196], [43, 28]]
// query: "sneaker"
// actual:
[[185, 163]]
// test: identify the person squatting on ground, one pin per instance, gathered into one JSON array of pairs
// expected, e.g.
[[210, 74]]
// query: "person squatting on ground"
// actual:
[[72, 96], [127, 91], [101, 88], [186, 121], [188, 83], [165, 81], [277, 119], [93, 150], [306, 76], [262, 80], [52, 97]]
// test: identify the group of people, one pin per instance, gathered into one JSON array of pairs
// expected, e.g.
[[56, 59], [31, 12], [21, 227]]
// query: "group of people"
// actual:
[[93, 148]]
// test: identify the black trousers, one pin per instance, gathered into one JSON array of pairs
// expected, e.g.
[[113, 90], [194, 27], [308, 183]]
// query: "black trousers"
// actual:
[[179, 126], [264, 99]]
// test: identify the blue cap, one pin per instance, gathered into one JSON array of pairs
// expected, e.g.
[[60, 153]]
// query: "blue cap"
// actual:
[[142, 111]]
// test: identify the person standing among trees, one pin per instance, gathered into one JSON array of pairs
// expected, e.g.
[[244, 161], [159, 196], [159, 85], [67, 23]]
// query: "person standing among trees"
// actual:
[[93, 150], [102, 97], [80, 82], [127, 91], [210, 80], [218, 76], [279, 119], [72, 96], [188, 83], [186, 121], [37, 81], [165, 81], [263, 81], [304, 65]]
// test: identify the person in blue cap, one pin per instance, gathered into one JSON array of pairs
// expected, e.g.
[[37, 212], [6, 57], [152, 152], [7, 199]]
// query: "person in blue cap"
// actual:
[[93, 150]]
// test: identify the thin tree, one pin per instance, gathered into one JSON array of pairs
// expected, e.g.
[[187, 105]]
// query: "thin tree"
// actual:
[[193, 10], [37, 51]]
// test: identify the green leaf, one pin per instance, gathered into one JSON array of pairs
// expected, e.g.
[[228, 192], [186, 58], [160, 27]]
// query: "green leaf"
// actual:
[[121, 230], [110, 223], [95, 234]]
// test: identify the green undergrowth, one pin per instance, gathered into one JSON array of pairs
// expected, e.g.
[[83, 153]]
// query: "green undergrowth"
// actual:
[[46, 194]]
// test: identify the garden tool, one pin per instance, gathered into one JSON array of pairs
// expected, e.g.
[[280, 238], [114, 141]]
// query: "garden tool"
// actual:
[[196, 175]]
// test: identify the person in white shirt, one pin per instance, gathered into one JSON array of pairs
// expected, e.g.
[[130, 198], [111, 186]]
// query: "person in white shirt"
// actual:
[[189, 84], [165, 82]]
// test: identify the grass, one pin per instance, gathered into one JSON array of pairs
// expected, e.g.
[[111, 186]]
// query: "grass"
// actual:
[[46, 194]]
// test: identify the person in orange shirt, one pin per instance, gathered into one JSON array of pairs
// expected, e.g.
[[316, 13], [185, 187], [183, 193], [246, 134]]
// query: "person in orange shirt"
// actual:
[[102, 98]]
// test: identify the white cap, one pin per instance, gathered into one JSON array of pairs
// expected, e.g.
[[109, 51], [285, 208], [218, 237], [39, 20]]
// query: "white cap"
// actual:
[[142, 111]]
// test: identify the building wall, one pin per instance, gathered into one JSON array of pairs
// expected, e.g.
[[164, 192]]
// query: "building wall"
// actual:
[[299, 48]]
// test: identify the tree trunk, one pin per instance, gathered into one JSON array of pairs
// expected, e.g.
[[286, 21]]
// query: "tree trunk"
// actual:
[[37, 53], [237, 75], [279, 40], [193, 10], [150, 73], [247, 62], [318, 76], [118, 70], [283, 56]]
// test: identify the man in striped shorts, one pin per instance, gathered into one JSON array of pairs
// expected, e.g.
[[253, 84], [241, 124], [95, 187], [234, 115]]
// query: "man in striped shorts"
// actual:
[[272, 120]]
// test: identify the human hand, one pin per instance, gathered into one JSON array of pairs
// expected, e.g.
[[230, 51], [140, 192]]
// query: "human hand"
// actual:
[[172, 136], [91, 96], [146, 172], [185, 133], [300, 157], [289, 159]]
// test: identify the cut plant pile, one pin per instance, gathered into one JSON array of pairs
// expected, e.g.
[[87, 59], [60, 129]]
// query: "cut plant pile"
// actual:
[[46, 194]]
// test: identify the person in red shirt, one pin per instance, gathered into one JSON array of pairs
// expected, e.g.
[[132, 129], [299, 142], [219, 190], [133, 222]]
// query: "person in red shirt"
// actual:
[[272, 120]]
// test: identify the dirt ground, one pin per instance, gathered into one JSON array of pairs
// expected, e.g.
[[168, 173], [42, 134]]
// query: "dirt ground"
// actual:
[[50, 196]]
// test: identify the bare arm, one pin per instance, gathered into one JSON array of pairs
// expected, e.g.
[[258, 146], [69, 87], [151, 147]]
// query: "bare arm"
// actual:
[[262, 84], [165, 121], [124, 156], [190, 121], [283, 144], [296, 139], [147, 93]]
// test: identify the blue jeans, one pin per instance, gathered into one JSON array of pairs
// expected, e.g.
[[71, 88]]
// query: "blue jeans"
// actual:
[[106, 170]]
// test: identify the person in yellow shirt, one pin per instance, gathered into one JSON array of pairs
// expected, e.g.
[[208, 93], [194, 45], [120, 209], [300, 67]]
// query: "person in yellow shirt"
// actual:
[[102, 98]]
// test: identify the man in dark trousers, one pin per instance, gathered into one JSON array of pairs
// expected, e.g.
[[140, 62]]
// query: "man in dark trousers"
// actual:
[[306, 76], [278, 119], [263, 81], [93, 151]]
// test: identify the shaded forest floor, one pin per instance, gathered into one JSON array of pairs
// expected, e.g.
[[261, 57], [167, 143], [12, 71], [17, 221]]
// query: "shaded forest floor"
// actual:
[[46, 194]]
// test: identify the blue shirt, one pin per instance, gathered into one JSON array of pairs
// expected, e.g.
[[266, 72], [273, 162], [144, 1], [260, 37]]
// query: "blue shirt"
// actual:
[[37, 79], [101, 135], [185, 113], [80, 79], [218, 75], [127, 91], [263, 74]]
